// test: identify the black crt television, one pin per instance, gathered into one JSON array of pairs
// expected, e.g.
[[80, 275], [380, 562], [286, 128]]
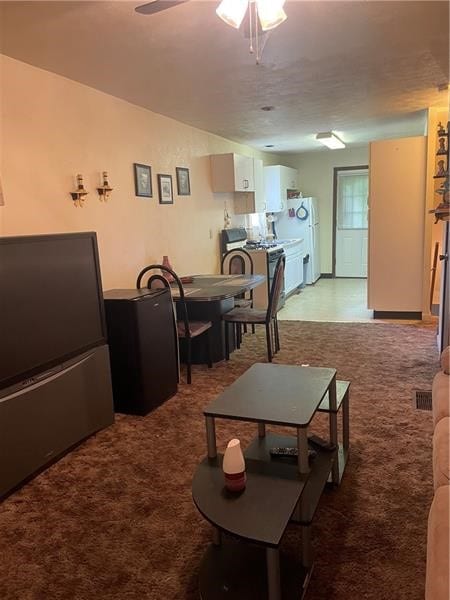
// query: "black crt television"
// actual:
[[51, 303]]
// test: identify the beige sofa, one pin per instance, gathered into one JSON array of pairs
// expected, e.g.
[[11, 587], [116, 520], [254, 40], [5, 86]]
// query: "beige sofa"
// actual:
[[438, 543]]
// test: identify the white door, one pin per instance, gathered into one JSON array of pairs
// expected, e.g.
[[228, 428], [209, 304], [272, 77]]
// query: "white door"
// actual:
[[351, 223]]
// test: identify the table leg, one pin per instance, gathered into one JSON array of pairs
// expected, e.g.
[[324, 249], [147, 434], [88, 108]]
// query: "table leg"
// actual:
[[334, 429], [346, 421], [211, 437], [302, 446], [273, 573], [261, 430], [332, 394], [334, 440]]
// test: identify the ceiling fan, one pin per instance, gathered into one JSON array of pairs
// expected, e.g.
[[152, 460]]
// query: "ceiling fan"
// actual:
[[270, 13], [157, 5], [257, 17]]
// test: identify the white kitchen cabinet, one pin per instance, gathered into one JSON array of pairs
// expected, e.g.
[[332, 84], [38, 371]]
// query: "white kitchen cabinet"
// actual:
[[293, 274], [277, 181], [252, 202], [232, 173]]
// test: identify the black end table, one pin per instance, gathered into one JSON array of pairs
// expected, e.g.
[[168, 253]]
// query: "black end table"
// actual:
[[276, 490]]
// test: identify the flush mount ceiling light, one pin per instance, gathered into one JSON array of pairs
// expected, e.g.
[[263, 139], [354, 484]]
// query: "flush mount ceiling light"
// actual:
[[266, 14], [330, 140]]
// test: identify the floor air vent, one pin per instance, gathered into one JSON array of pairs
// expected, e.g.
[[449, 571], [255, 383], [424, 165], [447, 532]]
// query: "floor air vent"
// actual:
[[422, 399]]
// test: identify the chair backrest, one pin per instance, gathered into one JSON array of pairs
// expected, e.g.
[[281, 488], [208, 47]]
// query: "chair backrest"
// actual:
[[236, 262], [156, 280], [277, 286]]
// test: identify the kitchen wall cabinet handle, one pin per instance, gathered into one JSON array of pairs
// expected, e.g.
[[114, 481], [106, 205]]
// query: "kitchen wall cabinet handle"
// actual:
[[443, 256]]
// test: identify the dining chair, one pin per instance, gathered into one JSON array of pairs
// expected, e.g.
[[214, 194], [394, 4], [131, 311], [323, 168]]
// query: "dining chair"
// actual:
[[267, 317], [239, 262], [186, 329]]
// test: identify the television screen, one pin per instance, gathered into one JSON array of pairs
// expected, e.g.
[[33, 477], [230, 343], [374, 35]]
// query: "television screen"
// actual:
[[51, 302]]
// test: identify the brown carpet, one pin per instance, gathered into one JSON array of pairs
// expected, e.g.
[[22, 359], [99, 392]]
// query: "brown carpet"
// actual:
[[114, 519]]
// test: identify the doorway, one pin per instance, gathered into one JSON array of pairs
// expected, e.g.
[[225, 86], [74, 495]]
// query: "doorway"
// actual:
[[350, 221]]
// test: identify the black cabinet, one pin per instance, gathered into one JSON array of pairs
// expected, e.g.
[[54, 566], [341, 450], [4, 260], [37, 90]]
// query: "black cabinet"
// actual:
[[143, 348]]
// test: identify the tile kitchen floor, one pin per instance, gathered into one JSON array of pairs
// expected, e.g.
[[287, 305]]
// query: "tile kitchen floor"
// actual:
[[331, 300]]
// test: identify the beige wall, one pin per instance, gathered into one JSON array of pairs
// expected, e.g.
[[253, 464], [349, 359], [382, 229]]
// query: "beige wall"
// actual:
[[53, 128], [396, 224], [316, 179]]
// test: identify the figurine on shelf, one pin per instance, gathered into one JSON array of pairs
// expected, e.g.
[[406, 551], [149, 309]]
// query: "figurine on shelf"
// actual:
[[441, 172], [441, 212], [442, 149], [441, 130], [443, 191]]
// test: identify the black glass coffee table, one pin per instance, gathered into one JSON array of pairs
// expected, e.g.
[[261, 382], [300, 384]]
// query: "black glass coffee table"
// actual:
[[277, 490]]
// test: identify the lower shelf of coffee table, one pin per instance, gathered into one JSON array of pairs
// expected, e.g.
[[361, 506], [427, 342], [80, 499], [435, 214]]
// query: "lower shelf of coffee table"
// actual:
[[237, 571], [320, 467]]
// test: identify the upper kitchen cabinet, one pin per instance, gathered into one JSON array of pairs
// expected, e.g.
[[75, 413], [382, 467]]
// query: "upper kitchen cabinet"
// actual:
[[277, 181], [232, 173], [252, 202]]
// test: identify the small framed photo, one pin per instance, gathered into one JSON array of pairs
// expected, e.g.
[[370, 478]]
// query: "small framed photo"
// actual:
[[143, 180], [165, 189], [183, 183]]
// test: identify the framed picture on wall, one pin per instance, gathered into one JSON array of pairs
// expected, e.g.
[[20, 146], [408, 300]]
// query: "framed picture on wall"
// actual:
[[143, 180], [165, 189], [183, 183]]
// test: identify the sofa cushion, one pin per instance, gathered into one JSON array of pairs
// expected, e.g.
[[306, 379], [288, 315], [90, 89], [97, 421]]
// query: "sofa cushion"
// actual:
[[437, 579], [441, 396], [441, 458], [445, 360]]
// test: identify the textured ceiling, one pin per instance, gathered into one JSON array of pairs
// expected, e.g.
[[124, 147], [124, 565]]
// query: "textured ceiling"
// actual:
[[366, 70]]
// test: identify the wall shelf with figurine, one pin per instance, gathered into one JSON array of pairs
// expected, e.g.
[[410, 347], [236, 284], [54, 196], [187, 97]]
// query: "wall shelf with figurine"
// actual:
[[442, 210]]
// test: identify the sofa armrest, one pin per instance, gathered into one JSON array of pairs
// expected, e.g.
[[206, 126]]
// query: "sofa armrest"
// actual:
[[437, 579], [441, 396], [441, 457]]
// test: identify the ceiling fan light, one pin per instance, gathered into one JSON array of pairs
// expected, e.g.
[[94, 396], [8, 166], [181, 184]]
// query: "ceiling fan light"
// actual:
[[330, 140], [232, 12], [271, 13]]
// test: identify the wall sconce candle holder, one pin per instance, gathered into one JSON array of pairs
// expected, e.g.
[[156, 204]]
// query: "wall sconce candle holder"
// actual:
[[79, 195], [105, 190]]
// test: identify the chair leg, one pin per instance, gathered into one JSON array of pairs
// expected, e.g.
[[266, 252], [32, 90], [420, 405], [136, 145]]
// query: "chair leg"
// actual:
[[237, 335], [188, 365], [274, 337], [227, 341], [253, 328], [277, 335], [178, 361], [269, 342], [210, 362]]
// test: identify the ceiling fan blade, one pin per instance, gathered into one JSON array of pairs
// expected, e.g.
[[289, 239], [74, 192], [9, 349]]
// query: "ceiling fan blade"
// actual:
[[157, 5]]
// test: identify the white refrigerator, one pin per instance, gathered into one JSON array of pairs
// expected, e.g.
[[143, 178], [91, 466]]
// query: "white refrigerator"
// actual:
[[301, 220]]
